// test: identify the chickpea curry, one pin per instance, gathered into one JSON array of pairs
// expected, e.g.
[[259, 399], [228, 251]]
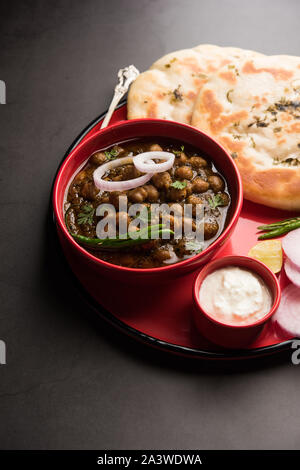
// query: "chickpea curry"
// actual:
[[192, 179]]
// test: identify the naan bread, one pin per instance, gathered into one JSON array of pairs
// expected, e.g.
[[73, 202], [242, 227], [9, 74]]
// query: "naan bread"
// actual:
[[168, 90], [252, 107]]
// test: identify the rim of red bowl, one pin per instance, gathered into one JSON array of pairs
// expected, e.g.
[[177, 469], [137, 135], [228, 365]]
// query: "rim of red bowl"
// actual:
[[223, 235], [229, 261]]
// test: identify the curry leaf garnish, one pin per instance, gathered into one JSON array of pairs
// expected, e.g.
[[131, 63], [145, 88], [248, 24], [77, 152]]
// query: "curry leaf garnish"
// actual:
[[194, 245], [86, 216], [111, 154], [179, 184], [215, 201]]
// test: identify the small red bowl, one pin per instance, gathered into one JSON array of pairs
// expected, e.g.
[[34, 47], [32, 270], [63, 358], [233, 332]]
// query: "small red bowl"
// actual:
[[226, 335], [79, 258]]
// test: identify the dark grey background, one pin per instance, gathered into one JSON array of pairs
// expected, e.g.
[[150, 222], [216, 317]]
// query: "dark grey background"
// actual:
[[71, 381]]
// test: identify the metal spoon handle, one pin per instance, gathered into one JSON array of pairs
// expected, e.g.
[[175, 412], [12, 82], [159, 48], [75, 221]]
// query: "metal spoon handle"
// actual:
[[126, 76]]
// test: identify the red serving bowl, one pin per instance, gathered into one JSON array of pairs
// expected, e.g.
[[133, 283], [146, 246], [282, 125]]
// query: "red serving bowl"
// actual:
[[233, 336], [137, 129]]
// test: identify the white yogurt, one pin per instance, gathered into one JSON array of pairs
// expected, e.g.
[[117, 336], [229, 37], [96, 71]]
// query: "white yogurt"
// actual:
[[235, 296]]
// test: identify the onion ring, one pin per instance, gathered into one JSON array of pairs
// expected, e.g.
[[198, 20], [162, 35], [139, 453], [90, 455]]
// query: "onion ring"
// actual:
[[118, 185], [144, 162], [288, 313], [291, 246]]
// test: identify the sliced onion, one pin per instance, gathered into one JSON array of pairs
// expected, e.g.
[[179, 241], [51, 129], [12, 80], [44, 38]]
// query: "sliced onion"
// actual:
[[292, 272], [118, 185], [288, 313], [144, 161], [291, 246]]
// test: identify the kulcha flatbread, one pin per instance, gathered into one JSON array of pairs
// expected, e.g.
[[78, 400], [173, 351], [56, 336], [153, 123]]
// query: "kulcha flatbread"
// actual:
[[168, 90], [252, 107]]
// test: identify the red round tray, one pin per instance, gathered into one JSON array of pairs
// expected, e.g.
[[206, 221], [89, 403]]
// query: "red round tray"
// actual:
[[161, 316]]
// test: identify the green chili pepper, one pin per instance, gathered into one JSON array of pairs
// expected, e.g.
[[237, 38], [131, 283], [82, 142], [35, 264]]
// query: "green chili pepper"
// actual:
[[278, 228], [119, 243]]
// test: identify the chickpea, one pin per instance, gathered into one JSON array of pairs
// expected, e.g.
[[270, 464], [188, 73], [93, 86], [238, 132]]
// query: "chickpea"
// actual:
[[195, 201], [118, 149], [162, 255], [80, 177], [129, 172], [181, 159], [152, 193], [211, 228], [155, 148], [198, 162], [114, 198], [98, 158], [188, 224], [225, 199], [122, 218], [137, 195], [89, 191], [177, 194], [104, 199], [162, 180], [184, 173], [207, 172], [199, 185], [189, 188], [216, 183], [176, 208], [175, 222], [180, 248]]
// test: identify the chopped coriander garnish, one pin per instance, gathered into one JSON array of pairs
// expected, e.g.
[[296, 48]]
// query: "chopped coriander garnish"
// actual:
[[86, 216], [178, 152], [179, 184], [277, 129], [111, 154], [215, 201], [194, 245], [234, 155]]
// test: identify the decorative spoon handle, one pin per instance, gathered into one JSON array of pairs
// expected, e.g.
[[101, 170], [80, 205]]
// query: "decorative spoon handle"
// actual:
[[126, 76]]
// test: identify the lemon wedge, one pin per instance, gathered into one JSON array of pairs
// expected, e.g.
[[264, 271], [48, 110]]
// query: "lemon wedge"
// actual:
[[268, 252]]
